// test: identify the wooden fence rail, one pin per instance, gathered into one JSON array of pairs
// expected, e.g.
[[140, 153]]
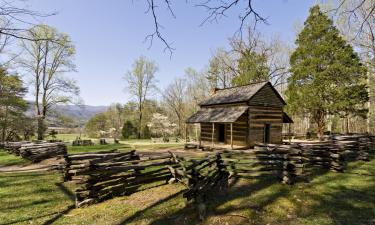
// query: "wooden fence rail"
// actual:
[[35, 152], [103, 175]]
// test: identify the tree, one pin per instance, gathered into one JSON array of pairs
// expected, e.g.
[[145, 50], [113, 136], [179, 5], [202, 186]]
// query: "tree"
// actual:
[[46, 61], [215, 10], [258, 59], [160, 126], [12, 104], [128, 130], [97, 125], [175, 98], [140, 83], [197, 89], [356, 20], [222, 69], [115, 116], [252, 68], [327, 75]]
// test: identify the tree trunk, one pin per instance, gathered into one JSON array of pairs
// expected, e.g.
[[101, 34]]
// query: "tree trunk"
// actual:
[[3, 134], [140, 124], [40, 128], [320, 121], [347, 125]]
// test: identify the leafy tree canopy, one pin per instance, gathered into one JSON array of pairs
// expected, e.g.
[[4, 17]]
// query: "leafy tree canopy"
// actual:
[[252, 67]]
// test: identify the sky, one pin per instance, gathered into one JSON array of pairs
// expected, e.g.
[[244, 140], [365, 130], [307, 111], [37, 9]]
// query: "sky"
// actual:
[[109, 36]]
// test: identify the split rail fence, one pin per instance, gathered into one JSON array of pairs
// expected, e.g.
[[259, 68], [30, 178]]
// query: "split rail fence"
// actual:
[[104, 175], [36, 152]]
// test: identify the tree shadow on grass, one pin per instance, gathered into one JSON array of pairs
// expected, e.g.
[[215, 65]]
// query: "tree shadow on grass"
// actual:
[[71, 196], [343, 200], [187, 215], [32, 185], [348, 203], [140, 213]]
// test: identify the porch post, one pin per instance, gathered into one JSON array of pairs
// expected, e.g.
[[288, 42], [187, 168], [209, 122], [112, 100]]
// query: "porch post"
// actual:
[[200, 138], [231, 135], [196, 132], [213, 132], [186, 132]]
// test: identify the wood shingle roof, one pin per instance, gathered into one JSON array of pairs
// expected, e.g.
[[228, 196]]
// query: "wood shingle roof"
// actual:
[[217, 114], [235, 94]]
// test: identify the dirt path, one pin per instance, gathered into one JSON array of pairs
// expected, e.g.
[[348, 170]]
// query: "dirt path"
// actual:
[[178, 151], [45, 165]]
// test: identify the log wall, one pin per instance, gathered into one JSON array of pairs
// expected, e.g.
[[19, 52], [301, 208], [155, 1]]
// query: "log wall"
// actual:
[[240, 132], [206, 133], [266, 97], [258, 117]]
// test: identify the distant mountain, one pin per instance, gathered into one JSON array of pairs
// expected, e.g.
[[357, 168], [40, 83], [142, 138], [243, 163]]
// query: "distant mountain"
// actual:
[[81, 113]]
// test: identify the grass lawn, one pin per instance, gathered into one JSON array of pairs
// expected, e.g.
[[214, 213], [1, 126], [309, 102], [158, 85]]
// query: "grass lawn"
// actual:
[[96, 148], [146, 144], [7, 159], [330, 198], [122, 146], [69, 137]]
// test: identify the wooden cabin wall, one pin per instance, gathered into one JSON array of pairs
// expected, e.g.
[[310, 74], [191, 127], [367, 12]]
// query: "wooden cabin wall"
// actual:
[[206, 132], [258, 117], [267, 97], [240, 131]]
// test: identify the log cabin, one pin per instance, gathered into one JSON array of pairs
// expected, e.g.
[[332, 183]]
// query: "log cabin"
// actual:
[[241, 116]]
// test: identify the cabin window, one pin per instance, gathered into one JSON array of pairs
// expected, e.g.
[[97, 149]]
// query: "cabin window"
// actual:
[[221, 131], [267, 133]]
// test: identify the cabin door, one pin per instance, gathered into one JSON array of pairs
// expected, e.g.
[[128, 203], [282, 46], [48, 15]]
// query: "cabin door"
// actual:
[[267, 133], [221, 131]]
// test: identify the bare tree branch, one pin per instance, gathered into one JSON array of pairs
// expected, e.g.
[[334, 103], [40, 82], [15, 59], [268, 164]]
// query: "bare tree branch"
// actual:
[[216, 9]]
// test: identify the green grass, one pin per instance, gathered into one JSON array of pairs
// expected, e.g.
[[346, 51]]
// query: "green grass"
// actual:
[[329, 198], [69, 137], [7, 159], [31, 198], [96, 147], [147, 146]]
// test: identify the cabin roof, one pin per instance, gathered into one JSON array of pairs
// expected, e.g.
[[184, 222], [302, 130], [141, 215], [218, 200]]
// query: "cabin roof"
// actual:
[[237, 94], [218, 114]]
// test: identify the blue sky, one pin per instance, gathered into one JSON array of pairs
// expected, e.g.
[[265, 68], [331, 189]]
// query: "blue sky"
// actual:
[[109, 35]]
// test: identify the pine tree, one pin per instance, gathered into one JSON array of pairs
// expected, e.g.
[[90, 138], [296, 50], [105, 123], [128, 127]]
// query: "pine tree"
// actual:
[[252, 67], [327, 77], [12, 104]]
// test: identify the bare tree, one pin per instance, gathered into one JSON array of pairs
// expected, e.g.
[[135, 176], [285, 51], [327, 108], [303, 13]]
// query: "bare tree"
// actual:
[[16, 19], [356, 21], [216, 9], [197, 89], [360, 13], [140, 83], [175, 98], [46, 61], [222, 69]]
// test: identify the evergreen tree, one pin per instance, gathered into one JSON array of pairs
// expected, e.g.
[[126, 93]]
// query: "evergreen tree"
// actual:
[[327, 75], [128, 130], [252, 67], [12, 104]]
